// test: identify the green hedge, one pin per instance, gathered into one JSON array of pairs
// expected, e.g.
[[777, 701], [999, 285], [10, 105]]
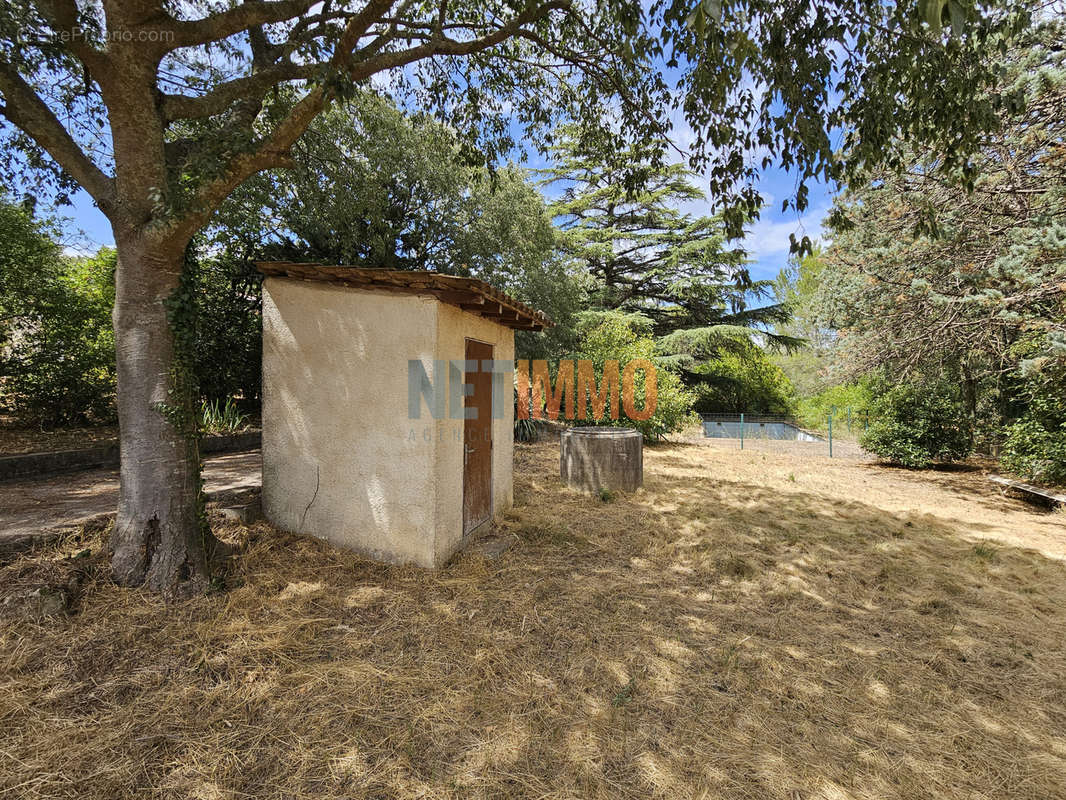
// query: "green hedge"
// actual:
[[917, 425]]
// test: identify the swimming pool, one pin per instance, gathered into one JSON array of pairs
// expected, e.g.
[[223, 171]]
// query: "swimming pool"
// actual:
[[756, 429]]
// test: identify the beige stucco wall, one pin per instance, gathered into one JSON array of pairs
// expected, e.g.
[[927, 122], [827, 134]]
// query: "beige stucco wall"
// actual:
[[341, 458]]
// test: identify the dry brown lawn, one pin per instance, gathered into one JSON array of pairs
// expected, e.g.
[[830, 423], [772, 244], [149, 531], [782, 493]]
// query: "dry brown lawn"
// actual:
[[750, 625]]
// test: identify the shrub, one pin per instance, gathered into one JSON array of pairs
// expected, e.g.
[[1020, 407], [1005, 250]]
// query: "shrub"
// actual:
[[218, 418], [728, 370], [57, 350], [916, 425], [673, 412], [525, 430], [615, 336], [1035, 447], [837, 399], [229, 342], [742, 381]]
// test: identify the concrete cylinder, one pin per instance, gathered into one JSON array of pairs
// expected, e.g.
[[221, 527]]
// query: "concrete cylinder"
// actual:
[[591, 459]]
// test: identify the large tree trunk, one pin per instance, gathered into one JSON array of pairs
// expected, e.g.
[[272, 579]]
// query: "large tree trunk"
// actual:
[[158, 540]]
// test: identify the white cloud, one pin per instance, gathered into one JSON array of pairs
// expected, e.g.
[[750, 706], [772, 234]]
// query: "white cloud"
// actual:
[[770, 237]]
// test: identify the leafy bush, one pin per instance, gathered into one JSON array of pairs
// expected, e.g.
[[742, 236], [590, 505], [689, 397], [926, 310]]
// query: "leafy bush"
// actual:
[[229, 342], [743, 382], [674, 411], [728, 370], [57, 350], [916, 425], [525, 430], [1036, 444], [1036, 453], [607, 336], [813, 411]]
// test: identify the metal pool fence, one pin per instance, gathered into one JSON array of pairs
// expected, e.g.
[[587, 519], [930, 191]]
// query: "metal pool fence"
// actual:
[[837, 439]]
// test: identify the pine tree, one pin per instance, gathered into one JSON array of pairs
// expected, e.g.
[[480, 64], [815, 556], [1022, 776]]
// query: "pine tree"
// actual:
[[964, 275], [624, 219]]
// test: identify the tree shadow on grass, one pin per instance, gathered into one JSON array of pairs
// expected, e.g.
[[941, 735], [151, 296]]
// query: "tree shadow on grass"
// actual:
[[967, 481], [964, 481], [702, 638]]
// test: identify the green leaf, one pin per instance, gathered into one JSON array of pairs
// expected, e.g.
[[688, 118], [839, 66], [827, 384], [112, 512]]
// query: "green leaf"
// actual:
[[713, 9], [958, 17], [697, 21], [932, 14]]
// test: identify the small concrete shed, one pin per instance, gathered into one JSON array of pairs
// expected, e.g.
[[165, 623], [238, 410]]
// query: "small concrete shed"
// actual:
[[381, 431]]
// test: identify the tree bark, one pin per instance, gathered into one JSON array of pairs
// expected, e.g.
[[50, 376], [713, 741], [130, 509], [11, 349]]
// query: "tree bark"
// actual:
[[158, 540]]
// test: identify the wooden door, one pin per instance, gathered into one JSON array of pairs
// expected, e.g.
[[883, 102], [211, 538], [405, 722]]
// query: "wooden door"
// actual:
[[477, 441]]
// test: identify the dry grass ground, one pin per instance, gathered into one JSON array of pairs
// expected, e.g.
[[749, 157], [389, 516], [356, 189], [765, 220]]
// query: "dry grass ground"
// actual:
[[751, 625]]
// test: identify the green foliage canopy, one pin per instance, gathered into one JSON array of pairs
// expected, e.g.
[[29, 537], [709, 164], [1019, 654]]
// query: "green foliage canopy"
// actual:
[[844, 401], [729, 370], [623, 221], [772, 82], [1035, 444], [962, 277], [916, 425], [621, 337], [57, 351], [743, 382], [217, 93], [925, 272], [374, 187]]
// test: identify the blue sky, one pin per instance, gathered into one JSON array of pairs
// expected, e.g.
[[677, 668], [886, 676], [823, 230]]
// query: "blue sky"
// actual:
[[767, 241]]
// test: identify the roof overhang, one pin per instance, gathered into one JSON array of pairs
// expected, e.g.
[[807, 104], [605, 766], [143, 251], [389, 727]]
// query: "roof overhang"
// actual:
[[469, 294]]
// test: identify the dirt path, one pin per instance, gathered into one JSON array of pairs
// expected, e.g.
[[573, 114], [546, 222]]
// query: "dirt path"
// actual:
[[961, 497], [16, 440], [33, 505]]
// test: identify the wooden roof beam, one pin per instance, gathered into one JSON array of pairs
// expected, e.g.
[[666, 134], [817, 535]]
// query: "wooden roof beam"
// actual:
[[469, 294], [459, 298], [485, 309]]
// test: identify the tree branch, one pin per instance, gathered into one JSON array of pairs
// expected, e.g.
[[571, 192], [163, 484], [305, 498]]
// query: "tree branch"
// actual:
[[451, 47], [63, 16], [30, 114], [355, 29], [239, 18], [177, 106], [274, 150]]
